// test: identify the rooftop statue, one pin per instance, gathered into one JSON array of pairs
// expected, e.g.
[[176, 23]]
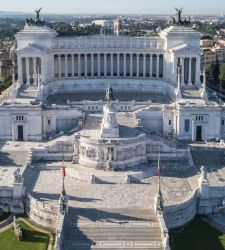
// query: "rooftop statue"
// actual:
[[179, 12], [37, 21], [38, 14], [109, 94], [179, 20]]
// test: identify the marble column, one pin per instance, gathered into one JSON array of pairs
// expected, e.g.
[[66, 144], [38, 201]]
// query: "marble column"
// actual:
[[111, 64], [144, 65], [79, 66], [66, 65], [35, 70], [182, 70], [124, 64], [60, 70], [197, 70], [118, 65], [85, 64], [131, 65], [157, 66], [92, 64], [189, 72], [27, 71], [99, 72], [150, 65], [20, 70], [105, 64], [72, 58], [193, 137], [138, 61]]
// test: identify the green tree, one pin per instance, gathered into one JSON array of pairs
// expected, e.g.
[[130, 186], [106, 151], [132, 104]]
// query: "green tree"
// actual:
[[211, 70], [222, 72], [214, 70]]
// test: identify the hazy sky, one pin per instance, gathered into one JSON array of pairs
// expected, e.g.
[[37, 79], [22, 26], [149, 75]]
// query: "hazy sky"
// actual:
[[116, 6]]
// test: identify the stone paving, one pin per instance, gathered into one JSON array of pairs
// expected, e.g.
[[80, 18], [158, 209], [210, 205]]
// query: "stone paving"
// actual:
[[105, 202], [42, 183], [6, 176], [175, 187]]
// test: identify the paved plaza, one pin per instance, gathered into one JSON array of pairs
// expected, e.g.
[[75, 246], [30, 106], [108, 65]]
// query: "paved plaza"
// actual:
[[116, 209], [47, 184]]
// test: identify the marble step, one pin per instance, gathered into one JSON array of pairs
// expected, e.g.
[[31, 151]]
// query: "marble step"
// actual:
[[111, 229], [69, 245]]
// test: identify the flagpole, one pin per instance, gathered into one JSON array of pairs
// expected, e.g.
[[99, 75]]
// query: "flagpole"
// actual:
[[159, 172]]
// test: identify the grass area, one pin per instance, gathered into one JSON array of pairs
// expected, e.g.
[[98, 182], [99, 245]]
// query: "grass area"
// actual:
[[4, 216], [198, 235], [33, 240]]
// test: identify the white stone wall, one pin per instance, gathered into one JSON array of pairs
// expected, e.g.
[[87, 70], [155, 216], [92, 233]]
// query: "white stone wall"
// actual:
[[145, 51], [31, 122], [84, 85], [179, 214], [44, 213], [211, 122], [56, 113], [151, 119]]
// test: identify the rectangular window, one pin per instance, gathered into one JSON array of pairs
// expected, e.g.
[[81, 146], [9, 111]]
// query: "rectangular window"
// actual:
[[186, 125], [222, 122], [49, 122], [19, 117], [170, 122], [199, 118]]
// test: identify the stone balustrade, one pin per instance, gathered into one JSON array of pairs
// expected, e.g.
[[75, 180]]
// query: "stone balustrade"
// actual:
[[7, 93], [177, 215], [43, 213], [59, 232], [109, 42]]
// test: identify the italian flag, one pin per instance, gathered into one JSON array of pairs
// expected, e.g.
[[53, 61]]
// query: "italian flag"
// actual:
[[63, 169], [158, 168]]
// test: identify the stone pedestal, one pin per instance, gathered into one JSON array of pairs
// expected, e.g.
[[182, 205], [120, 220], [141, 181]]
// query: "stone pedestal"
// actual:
[[18, 190], [204, 206], [109, 126], [178, 94]]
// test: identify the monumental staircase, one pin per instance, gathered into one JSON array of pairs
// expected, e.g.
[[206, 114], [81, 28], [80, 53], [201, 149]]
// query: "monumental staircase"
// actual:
[[89, 228]]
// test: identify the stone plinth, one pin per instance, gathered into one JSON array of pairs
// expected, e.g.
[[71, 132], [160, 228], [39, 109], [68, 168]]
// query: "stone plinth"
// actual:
[[109, 126], [120, 152]]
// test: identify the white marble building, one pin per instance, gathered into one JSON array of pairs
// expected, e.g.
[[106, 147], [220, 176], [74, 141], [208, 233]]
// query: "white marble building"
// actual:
[[41, 51], [62, 79]]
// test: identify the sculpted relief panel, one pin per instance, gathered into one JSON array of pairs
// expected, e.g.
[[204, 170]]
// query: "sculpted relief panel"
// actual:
[[131, 152], [151, 148], [89, 152], [112, 152]]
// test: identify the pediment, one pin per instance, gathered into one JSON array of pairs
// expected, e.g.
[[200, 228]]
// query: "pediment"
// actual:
[[31, 49], [184, 49]]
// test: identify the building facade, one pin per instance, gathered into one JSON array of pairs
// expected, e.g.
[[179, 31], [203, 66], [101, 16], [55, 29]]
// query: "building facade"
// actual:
[[59, 79]]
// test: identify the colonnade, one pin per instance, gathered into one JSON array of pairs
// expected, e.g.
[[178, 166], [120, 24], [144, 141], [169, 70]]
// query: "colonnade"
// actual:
[[189, 74], [30, 70], [108, 65]]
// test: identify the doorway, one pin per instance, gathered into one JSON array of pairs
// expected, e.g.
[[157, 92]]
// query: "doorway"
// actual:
[[198, 133], [20, 133]]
